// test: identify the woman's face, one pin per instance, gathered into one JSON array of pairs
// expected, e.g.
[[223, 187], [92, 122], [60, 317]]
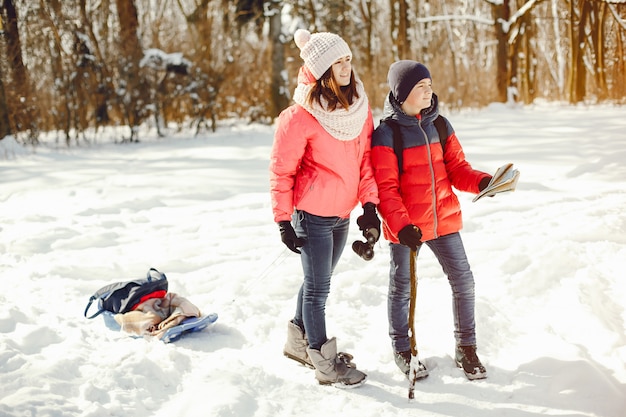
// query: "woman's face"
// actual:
[[342, 70], [419, 98]]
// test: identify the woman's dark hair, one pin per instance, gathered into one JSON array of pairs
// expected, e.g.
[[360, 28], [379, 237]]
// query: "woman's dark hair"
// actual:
[[333, 93]]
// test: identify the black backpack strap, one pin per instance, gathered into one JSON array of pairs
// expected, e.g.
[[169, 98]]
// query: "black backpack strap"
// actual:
[[442, 130], [397, 141], [91, 300]]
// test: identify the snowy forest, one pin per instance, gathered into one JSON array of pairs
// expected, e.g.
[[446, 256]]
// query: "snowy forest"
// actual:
[[77, 66]]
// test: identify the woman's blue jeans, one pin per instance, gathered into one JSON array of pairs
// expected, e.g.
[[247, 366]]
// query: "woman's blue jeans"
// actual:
[[325, 239], [450, 252]]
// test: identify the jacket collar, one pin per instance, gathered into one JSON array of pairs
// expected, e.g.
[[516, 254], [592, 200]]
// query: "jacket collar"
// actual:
[[393, 110]]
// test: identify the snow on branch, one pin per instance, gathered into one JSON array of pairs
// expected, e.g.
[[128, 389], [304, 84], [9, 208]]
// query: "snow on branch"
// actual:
[[156, 59], [618, 19], [465, 18], [506, 25]]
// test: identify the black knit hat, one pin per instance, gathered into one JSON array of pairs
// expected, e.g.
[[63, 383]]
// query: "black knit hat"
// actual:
[[402, 77]]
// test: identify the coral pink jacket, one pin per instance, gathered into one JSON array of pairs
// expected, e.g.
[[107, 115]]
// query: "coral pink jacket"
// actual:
[[310, 170]]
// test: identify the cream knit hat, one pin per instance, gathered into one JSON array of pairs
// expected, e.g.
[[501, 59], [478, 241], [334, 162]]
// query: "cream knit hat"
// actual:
[[320, 50]]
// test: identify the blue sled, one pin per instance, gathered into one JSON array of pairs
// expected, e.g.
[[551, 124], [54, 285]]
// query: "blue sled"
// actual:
[[189, 325]]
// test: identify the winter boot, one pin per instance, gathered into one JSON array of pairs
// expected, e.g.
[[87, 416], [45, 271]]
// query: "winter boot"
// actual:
[[403, 360], [467, 360], [295, 347], [335, 368]]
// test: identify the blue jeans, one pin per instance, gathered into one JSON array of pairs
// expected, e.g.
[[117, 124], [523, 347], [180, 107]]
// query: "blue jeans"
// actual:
[[325, 239], [450, 253]]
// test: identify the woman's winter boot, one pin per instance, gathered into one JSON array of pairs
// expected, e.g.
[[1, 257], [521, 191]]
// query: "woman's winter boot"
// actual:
[[335, 368], [296, 345]]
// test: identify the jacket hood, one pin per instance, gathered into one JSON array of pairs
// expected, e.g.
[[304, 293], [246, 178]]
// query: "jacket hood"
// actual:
[[393, 110], [305, 76]]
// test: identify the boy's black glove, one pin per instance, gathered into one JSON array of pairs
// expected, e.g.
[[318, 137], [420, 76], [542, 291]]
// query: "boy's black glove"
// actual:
[[369, 220], [410, 236], [288, 236], [484, 183]]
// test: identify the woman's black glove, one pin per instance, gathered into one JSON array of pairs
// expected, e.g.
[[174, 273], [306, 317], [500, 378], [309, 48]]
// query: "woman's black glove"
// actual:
[[410, 236], [369, 223], [288, 236]]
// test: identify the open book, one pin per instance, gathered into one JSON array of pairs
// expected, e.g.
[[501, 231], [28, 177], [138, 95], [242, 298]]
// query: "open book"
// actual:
[[505, 179]]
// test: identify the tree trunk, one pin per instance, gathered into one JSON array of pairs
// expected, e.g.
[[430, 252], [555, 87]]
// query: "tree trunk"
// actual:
[[278, 83], [19, 91], [502, 12], [5, 127], [404, 42], [578, 73], [597, 41], [619, 89], [104, 87], [366, 13], [338, 24], [136, 91], [525, 72], [399, 29]]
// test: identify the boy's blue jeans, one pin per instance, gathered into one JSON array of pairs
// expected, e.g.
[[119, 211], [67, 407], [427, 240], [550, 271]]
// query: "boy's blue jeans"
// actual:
[[325, 239], [450, 252]]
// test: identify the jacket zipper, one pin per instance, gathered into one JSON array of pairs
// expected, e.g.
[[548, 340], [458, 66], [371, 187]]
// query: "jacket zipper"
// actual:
[[432, 179]]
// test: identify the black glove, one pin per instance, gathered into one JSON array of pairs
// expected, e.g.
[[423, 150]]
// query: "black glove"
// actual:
[[410, 236], [484, 183], [288, 236], [369, 223]]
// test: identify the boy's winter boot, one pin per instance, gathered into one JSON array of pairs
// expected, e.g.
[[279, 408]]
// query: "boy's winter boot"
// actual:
[[335, 368], [467, 360], [296, 345], [403, 360]]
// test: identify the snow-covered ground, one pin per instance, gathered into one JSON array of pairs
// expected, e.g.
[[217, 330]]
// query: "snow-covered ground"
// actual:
[[549, 261]]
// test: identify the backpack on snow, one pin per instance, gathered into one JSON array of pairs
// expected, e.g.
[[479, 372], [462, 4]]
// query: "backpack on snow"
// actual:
[[439, 123], [122, 297]]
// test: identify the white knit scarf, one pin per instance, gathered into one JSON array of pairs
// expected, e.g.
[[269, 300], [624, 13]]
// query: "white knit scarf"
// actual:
[[342, 124]]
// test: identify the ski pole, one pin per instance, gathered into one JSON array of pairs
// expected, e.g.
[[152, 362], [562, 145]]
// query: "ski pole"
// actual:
[[414, 361], [253, 282]]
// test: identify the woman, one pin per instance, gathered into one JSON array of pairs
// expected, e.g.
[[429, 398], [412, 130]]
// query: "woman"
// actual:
[[320, 166], [418, 205]]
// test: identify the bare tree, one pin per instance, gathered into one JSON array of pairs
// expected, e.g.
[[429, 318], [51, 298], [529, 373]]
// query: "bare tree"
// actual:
[[5, 127], [102, 90], [502, 14], [579, 13], [596, 40], [52, 19], [210, 70], [399, 28], [618, 29], [132, 86], [278, 86], [19, 94], [259, 12]]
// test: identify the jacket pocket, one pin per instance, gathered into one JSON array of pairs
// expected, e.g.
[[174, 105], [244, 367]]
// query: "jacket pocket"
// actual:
[[305, 182]]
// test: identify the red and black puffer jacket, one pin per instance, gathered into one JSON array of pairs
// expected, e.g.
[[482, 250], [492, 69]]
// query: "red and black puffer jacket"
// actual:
[[422, 195]]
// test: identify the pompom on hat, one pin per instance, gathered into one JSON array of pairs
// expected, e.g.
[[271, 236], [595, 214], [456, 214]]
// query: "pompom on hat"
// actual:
[[403, 76], [320, 50]]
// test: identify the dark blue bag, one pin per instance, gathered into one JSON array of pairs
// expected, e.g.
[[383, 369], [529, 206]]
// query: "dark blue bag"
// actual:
[[121, 297]]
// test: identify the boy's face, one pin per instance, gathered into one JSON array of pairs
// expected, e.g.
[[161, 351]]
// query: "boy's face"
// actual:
[[419, 98]]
